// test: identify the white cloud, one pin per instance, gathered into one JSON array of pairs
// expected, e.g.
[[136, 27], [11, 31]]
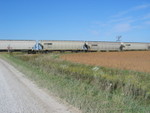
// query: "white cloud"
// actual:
[[147, 16], [147, 22], [95, 32], [122, 19], [136, 8], [122, 22], [122, 27], [141, 7], [121, 13]]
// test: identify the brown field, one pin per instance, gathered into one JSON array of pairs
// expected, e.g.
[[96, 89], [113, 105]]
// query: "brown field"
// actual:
[[131, 60]]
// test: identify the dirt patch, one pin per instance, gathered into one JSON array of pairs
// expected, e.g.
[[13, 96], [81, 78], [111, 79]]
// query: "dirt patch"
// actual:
[[131, 60]]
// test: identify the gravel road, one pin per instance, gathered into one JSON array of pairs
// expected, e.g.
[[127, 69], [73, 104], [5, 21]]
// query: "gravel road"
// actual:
[[20, 95]]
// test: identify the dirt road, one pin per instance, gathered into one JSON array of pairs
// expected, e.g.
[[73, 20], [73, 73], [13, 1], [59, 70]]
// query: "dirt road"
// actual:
[[20, 95]]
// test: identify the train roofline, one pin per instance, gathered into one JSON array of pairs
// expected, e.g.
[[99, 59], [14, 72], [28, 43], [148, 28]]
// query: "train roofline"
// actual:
[[15, 40]]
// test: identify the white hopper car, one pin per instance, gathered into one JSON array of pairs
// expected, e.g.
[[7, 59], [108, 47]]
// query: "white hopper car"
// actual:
[[136, 46], [53, 45], [17, 45], [104, 46]]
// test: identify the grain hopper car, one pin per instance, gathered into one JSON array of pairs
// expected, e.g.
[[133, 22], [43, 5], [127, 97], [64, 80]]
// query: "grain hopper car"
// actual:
[[136, 46], [104, 46], [17, 45], [53, 45]]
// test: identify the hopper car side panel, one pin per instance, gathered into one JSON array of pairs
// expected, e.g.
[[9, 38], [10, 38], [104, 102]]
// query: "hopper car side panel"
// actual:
[[17, 45], [61, 45], [135, 46], [104, 46]]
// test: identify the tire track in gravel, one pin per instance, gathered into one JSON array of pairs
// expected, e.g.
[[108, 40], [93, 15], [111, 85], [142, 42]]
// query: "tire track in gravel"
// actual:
[[20, 95]]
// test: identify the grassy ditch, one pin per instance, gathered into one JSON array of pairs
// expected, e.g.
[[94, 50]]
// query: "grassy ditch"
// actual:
[[89, 88]]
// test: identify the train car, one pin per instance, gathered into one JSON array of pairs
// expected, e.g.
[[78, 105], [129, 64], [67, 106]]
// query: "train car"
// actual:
[[130, 46], [104, 46], [53, 45], [17, 45]]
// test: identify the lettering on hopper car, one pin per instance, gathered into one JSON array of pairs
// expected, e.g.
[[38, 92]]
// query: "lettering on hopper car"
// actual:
[[94, 45], [128, 44], [48, 43]]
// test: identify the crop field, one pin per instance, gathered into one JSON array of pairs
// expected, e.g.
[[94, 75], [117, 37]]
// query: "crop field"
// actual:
[[92, 89], [130, 60]]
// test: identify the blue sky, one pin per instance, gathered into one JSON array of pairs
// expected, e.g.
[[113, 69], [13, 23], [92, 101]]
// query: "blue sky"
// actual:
[[97, 20]]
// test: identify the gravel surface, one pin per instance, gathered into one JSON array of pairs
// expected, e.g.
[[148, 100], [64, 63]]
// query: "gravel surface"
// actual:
[[20, 95]]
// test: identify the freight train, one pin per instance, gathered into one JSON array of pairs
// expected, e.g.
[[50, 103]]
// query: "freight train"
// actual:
[[33, 46]]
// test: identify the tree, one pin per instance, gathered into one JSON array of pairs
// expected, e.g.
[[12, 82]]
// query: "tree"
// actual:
[[118, 38]]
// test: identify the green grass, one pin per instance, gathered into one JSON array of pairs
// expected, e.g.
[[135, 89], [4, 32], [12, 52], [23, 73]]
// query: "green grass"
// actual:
[[91, 89]]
